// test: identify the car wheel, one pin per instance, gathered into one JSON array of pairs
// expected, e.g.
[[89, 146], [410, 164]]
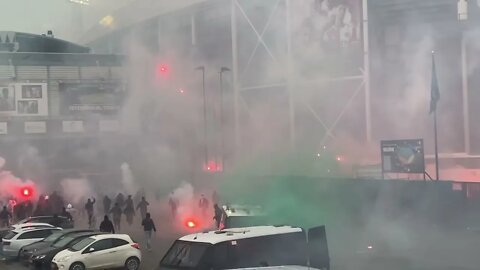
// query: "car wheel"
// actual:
[[77, 266], [132, 263]]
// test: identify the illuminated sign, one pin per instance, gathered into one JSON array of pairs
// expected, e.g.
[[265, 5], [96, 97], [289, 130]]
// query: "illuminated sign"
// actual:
[[403, 156]]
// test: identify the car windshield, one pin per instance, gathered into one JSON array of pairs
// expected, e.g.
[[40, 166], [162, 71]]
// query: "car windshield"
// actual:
[[184, 255], [10, 235], [82, 244], [54, 236], [64, 241]]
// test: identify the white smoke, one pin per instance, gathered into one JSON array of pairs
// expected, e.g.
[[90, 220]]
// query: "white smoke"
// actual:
[[128, 181], [75, 191], [185, 196]]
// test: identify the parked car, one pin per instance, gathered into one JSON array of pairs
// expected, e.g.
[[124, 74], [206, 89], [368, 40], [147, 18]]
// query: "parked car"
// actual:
[[63, 222], [16, 239], [43, 258], [5, 231], [102, 251], [27, 251]]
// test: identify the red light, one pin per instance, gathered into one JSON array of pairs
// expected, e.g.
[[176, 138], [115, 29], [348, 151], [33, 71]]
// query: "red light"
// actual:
[[136, 245], [26, 192], [213, 167], [162, 70], [191, 224]]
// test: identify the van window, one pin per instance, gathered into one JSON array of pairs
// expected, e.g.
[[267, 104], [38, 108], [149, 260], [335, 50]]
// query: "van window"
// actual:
[[245, 221], [185, 255], [272, 250]]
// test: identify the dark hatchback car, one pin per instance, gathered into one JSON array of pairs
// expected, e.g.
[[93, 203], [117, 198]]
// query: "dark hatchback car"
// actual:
[[62, 222], [27, 251], [43, 258]]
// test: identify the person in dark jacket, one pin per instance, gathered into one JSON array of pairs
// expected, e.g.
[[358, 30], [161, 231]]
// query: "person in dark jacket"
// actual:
[[142, 205], [107, 202], [89, 209], [66, 214], [107, 225], [117, 215], [218, 215], [129, 210], [203, 204], [5, 217], [148, 227], [56, 221]]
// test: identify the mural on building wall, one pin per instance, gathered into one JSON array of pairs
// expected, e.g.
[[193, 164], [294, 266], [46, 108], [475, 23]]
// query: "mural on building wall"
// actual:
[[7, 98], [22, 99], [327, 37]]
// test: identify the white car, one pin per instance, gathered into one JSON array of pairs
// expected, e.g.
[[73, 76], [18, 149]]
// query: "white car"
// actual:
[[18, 238], [31, 225], [5, 231], [102, 251]]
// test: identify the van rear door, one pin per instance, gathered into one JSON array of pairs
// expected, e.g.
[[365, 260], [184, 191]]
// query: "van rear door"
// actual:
[[318, 248]]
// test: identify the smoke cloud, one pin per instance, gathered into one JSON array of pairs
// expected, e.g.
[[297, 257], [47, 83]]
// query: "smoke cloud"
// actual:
[[76, 191]]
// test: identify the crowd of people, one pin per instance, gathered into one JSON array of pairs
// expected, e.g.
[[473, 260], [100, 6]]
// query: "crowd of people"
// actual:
[[47, 205], [113, 210]]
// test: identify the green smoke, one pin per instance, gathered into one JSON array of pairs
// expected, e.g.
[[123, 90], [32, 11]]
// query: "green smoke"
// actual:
[[300, 188]]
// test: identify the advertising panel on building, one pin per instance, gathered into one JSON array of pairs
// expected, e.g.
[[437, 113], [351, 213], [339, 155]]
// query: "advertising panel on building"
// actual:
[[327, 37], [23, 99], [35, 127], [90, 98]]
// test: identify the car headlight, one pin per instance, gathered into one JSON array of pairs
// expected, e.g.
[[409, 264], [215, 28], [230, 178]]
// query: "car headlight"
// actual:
[[64, 259], [39, 257]]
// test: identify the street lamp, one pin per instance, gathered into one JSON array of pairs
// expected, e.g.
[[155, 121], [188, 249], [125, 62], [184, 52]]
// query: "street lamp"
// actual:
[[222, 70], [202, 68]]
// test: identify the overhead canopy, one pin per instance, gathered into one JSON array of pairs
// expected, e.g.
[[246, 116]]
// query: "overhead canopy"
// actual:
[[28, 43], [136, 12]]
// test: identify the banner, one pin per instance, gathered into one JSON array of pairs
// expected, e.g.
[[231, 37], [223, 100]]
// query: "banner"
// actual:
[[72, 126], [327, 37], [3, 128], [24, 99], [35, 127], [88, 98]]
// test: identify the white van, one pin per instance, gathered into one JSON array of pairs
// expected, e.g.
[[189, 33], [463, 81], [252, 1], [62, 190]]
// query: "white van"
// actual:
[[261, 246]]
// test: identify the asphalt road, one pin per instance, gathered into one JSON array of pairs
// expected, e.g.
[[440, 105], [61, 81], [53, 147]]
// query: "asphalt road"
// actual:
[[455, 250], [160, 244]]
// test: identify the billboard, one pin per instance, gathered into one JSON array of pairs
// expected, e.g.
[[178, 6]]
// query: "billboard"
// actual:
[[88, 98], [23, 99], [327, 37], [403, 156]]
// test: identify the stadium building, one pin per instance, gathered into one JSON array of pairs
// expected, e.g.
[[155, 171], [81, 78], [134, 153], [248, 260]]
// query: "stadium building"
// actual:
[[59, 107]]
